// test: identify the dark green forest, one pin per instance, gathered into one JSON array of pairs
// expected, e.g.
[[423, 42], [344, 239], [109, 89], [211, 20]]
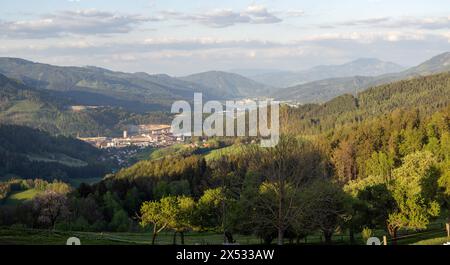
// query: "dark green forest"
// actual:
[[31, 153]]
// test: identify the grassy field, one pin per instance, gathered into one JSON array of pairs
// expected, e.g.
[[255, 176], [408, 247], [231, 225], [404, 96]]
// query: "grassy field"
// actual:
[[58, 158], [20, 197], [46, 237], [24, 106], [433, 241], [218, 153], [170, 150]]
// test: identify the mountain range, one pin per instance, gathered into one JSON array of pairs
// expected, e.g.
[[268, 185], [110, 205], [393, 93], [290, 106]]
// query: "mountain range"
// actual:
[[133, 91], [359, 67], [142, 92], [326, 89]]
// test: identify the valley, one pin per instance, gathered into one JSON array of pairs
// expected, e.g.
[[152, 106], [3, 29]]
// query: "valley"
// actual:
[[96, 144]]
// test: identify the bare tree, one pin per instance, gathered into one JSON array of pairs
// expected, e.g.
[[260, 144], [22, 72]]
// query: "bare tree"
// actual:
[[50, 206], [285, 169]]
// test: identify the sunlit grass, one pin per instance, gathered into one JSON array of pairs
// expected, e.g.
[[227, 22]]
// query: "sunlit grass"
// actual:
[[20, 196]]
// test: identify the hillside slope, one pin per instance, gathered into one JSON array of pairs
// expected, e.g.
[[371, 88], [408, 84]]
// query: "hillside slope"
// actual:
[[46, 110], [148, 92], [428, 93], [30, 153]]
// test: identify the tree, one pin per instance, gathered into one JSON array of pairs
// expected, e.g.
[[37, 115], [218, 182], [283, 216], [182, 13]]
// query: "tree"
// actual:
[[412, 141], [284, 169], [381, 165], [267, 210], [209, 212], [51, 207], [151, 214], [111, 204], [444, 180], [344, 159], [132, 200], [325, 207], [413, 192], [120, 221], [241, 213], [174, 212], [183, 212], [87, 208]]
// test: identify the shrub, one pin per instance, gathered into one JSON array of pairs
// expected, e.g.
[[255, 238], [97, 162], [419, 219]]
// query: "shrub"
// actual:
[[366, 233]]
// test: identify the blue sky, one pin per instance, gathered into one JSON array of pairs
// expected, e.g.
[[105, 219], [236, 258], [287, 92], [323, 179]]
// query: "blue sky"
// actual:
[[180, 37]]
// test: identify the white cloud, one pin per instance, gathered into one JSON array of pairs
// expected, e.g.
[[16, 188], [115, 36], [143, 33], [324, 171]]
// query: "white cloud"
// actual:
[[219, 18], [369, 37], [423, 23], [82, 22], [426, 23]]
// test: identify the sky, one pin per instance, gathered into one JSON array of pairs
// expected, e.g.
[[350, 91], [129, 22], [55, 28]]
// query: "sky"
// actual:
[[180, 37]]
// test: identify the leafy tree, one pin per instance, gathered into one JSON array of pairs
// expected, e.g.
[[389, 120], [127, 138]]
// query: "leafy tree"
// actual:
[[182, 213], [344, 159], [172, 188], [444, 180], [242, 214], [151, 214], [412, 141], [111, 204], [132, 200], [174, 212], [120, 221], [414, 197], [380, 165], [209, 213]]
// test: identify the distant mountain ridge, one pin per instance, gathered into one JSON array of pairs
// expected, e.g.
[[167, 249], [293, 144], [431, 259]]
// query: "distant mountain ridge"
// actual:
[[229, 84], [142, 92], [323, 90], [359, 67], [151, 91]]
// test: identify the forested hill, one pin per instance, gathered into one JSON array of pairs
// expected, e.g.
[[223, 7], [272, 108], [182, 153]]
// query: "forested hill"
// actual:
[[429, 93], [31, 153], [22, 105], [25, 140], [46, 110], [88, 85]]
